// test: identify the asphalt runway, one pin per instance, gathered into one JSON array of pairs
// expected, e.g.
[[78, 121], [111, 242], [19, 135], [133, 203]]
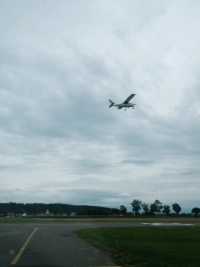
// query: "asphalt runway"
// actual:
[[49, 245], [55, 244]]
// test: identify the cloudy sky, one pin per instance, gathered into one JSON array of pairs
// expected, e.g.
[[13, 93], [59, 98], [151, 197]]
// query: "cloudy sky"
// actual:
[[60, 61]]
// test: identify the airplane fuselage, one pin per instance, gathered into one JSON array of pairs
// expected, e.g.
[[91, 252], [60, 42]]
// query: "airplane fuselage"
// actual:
[[128, 105]]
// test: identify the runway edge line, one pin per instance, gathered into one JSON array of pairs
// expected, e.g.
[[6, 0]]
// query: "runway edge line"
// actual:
[[25, 245]]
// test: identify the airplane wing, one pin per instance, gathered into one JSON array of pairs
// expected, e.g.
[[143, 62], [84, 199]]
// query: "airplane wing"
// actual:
[[129, 99]]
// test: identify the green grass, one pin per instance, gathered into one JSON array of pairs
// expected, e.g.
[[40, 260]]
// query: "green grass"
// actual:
[[148, 247]]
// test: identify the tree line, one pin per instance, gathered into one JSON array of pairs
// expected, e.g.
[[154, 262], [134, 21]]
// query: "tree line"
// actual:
[[138, 208], [157, 207], [41, 209]]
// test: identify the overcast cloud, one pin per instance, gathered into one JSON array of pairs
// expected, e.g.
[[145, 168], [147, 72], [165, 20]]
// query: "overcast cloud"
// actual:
[[60, 61]]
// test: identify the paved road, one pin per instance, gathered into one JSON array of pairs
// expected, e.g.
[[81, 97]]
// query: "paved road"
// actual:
[[52, 245], [48, 245]]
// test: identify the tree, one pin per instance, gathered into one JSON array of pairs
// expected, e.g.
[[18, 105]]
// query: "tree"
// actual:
[[166, 209], [196, 211], [136, 206], [156, 206], [177, 208], [145, 208], [123, 210]]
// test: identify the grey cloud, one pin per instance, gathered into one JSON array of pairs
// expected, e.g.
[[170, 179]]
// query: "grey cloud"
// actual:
[[138, 162], [56, 75]]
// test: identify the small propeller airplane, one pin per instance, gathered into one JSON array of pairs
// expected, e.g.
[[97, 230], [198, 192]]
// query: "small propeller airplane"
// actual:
[[126, 104]]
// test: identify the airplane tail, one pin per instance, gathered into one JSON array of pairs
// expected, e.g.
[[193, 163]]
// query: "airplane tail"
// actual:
[[111, 103]]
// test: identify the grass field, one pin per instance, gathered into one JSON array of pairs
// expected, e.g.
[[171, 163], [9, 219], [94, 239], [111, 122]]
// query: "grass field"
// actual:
[[148, 247]]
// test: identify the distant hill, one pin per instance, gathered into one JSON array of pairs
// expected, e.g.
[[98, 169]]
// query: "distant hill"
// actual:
[[56, 209]]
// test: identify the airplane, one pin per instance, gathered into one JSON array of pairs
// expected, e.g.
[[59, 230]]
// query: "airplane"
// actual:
[[126, 104]]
